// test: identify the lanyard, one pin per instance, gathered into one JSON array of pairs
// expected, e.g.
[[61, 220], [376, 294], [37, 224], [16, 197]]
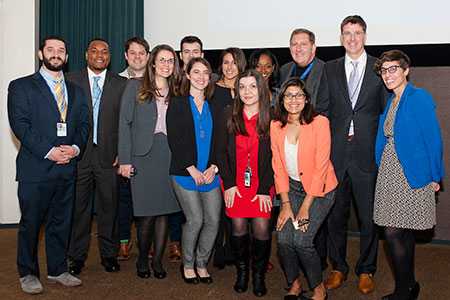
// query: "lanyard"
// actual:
[[308, 70]]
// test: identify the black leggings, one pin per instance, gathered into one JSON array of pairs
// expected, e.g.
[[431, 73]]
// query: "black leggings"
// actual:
[[260, 227], [145, 226], [401, 244]]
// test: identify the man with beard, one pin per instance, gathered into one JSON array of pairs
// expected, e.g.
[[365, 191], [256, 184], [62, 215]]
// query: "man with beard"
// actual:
[[49, 116], [97, 170]]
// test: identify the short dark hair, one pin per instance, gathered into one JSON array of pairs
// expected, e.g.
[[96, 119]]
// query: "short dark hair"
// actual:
[[186, 84], [281, 114], [190, 39], [238, 56], [96, 40], [235, 124], [355, 19], [52, 37], [392, 55], [139, 41], [311, 35], [253, 62]]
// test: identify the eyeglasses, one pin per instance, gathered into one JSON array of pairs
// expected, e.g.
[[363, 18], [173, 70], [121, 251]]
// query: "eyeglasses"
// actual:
[[292, 97], [164, 61], [390, 70]]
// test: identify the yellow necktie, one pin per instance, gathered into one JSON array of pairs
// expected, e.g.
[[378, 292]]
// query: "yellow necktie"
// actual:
[[60, 100]]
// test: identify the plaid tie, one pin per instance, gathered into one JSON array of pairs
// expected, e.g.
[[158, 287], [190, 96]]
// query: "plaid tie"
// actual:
[[60, 99]]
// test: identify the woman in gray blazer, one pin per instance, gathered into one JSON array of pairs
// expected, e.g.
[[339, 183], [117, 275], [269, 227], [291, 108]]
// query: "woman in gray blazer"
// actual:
[[144, 154]]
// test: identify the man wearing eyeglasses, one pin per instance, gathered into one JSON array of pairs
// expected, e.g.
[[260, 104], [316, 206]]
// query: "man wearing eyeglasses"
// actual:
[[97, 171], [356, 98], [307, 67]]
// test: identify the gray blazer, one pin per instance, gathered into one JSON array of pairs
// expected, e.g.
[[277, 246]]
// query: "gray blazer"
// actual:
[[315, 83], [137, 124]]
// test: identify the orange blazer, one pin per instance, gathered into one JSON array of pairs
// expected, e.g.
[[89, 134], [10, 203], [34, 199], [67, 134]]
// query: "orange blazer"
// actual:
[[315, 169]]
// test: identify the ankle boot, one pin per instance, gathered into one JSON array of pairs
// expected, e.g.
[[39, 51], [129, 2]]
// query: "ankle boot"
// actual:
[[260, 257], [240, 247]]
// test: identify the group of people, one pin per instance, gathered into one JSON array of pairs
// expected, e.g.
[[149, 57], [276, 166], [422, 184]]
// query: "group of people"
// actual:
[[170, 144]]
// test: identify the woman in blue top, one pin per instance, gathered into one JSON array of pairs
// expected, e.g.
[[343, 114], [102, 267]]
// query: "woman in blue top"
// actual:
[[192, 137], [409, 155]]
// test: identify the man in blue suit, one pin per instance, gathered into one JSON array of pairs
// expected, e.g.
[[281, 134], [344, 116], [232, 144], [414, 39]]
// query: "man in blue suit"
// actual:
[[49, 117]]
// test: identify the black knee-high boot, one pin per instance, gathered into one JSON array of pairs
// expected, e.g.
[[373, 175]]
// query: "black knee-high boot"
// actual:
[[241, 249], [261, 252]]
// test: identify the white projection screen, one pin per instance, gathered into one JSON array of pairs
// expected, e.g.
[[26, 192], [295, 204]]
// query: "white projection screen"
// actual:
[[267, 23]]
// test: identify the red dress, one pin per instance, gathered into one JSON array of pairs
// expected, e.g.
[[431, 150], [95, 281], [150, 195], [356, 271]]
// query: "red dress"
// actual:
[[247, 155]]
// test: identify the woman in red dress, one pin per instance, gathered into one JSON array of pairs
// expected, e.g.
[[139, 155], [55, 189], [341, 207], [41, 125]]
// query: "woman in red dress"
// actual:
[[246, 171]]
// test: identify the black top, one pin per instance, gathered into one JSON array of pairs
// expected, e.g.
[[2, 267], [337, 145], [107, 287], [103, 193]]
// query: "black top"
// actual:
[[222, 96], [181, 135], [226, 158]]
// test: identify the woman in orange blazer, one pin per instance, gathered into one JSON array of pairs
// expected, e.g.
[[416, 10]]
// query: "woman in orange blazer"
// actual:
[[305, 180]]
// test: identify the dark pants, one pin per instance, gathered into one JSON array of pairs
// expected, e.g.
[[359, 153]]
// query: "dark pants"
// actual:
[[125, 210], [49, 203], [176, 220], [296, 249], [94, 178], [358, 185]]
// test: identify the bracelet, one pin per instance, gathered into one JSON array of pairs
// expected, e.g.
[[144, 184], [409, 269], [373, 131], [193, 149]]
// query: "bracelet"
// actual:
[[284, 202]]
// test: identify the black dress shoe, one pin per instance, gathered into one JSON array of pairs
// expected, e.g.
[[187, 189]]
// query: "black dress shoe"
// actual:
[[414, 291], [75, 267], [193, 280], [291, 297], [110, 264]]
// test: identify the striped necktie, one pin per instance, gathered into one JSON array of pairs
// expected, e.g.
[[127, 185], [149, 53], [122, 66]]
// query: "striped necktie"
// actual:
[[60, 99], [96, 96]]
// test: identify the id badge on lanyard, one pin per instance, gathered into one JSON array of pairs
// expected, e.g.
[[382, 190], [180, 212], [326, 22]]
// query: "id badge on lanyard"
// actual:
[[248, 173], [61, 129]]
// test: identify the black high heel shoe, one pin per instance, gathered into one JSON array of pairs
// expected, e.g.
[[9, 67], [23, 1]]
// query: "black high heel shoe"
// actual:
[[159, 272], [193, 280], [143, 272], [205, 280]]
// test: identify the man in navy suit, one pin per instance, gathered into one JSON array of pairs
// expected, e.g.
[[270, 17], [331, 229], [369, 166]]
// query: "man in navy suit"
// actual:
[[49, 117]]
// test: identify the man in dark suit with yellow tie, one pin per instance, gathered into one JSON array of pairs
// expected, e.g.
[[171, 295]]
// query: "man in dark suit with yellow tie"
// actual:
[[97, 170], [49, 116]]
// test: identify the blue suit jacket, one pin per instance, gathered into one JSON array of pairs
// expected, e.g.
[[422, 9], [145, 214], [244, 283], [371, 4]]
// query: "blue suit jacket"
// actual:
[[417, 137], [33, 114]]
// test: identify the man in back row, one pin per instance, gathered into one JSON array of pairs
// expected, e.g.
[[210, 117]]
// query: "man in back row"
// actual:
[[137, 54], [357, 97]]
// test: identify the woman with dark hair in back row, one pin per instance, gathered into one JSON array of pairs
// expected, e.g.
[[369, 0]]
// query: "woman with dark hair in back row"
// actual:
[[246, 171]]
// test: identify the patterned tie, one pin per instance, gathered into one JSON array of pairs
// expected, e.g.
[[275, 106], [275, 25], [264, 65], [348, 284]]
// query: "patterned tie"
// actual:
[[352, 88], [96, 95], [353, 81], [60, 99]]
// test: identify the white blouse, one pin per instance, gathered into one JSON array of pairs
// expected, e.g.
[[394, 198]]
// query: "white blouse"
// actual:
[[290, 154]]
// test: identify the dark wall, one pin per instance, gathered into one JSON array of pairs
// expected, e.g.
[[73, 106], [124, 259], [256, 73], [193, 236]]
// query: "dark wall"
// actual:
[[430, 55]]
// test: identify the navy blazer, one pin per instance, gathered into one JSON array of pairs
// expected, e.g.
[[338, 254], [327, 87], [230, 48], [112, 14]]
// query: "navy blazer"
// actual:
[[417, 134], [33, 115]]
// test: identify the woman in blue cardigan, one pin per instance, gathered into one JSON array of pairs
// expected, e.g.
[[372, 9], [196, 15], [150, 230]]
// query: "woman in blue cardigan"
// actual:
[[409, 155]]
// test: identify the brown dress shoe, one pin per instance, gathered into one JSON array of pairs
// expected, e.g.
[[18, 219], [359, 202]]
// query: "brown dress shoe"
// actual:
[[174, 252], [366, 283], [335, 280], [124, 251]]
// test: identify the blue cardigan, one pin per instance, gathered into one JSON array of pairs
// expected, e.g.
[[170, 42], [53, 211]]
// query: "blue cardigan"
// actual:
[[417, 137]]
